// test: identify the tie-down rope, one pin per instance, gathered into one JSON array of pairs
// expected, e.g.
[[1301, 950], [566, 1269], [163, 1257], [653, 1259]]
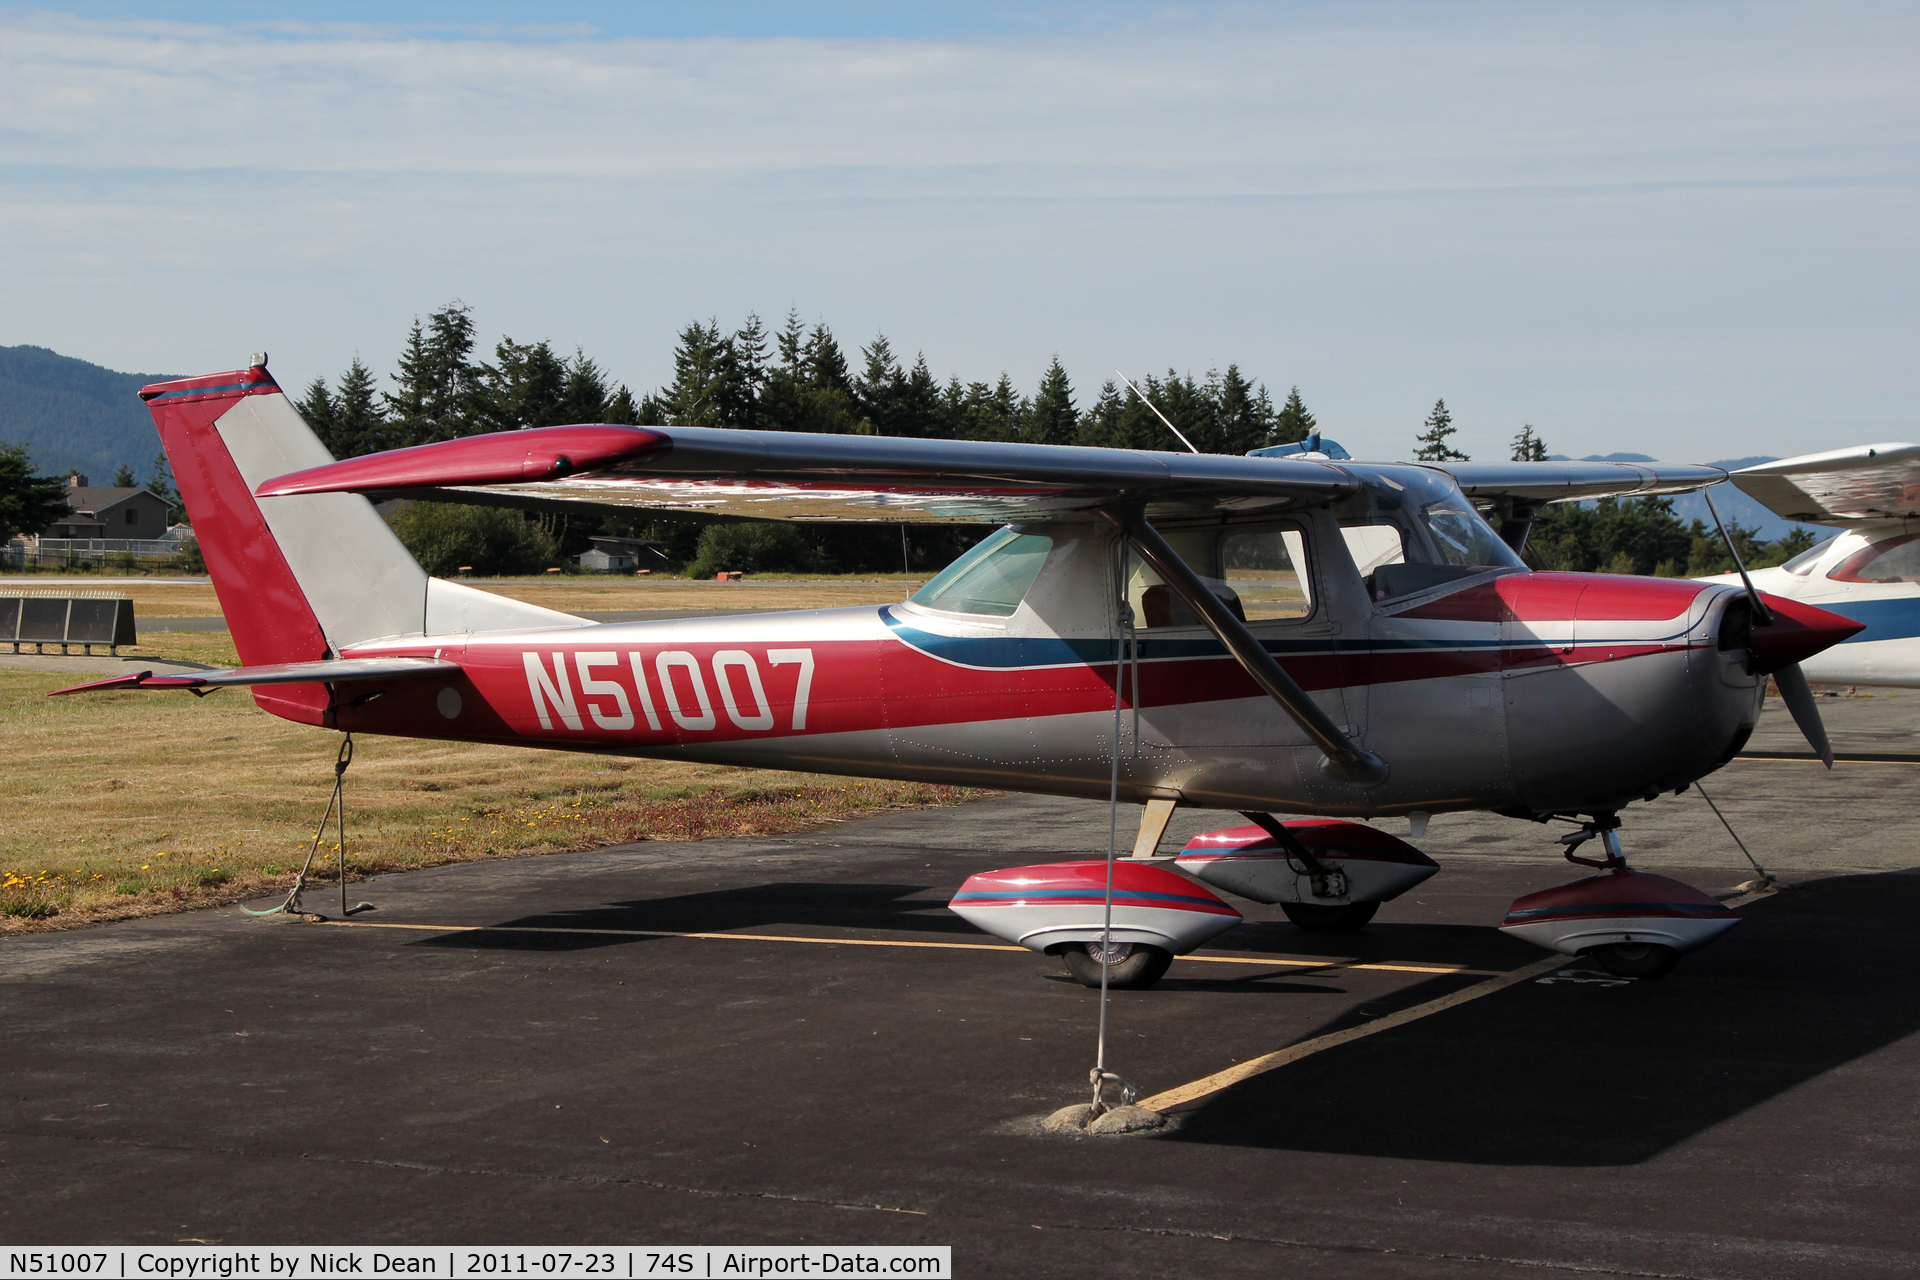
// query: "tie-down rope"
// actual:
[[1100, 1075], [336, 804]]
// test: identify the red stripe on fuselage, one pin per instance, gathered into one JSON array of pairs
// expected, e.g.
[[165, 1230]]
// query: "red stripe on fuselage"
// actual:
[[675, 692]]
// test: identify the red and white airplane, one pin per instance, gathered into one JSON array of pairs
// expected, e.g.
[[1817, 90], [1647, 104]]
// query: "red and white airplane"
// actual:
[[1268, 635]]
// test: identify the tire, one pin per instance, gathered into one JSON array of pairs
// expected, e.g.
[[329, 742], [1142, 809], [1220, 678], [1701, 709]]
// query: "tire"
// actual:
[[1317, 918], [1142, 967], [1643, 960]]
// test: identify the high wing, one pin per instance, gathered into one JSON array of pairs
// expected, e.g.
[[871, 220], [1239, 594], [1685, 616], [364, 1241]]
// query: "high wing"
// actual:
[[1861, 485], [782, 475], [796, 476], [1504, 485]]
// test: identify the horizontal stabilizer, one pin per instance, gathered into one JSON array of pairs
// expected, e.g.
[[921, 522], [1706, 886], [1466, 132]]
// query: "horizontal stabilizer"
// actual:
[[334, 671]]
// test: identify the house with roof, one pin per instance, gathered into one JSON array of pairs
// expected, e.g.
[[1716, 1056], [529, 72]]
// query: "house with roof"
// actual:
[[622, 555], [97, 512]]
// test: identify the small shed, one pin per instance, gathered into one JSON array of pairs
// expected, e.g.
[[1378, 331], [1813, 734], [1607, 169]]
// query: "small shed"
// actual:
[[611, 554]]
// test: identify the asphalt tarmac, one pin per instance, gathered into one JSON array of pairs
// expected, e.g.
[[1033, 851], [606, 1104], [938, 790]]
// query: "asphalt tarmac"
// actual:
[[406, 1078]]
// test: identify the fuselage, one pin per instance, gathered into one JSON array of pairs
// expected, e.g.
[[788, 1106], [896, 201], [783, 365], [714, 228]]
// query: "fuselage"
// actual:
[[1508, 690]]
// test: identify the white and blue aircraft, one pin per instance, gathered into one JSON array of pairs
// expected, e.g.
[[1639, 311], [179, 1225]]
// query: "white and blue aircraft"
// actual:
[[1869, 572]]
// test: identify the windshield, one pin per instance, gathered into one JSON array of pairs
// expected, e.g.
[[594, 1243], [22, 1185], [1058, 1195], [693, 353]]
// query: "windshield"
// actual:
[[1414, 530], [1802, 564], [992, 578]]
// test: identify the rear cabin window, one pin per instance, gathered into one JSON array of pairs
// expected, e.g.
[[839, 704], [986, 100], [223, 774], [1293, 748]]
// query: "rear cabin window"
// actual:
[[992, 578], [1890, 560], [1259, 574]]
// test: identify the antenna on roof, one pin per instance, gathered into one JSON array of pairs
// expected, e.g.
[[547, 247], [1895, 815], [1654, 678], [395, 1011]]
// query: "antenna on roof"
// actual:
[[1156, 411]]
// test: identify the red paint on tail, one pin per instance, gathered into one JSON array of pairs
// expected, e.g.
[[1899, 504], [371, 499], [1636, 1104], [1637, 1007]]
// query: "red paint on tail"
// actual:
[[265, 609]]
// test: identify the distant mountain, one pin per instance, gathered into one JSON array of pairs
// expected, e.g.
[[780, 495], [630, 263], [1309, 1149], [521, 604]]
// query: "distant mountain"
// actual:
[[1736, 507], [70, 413], [1618, 457]]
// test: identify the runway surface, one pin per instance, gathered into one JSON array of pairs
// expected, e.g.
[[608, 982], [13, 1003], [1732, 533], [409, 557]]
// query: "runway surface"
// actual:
[[210, 1076]]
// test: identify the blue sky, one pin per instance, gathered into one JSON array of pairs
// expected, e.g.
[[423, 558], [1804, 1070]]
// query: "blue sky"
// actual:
[[1684, 230]]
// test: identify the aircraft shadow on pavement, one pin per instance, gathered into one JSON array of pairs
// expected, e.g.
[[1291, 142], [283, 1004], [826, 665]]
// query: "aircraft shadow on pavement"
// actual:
[[761, 906], [1585, 1074], [906, 908]]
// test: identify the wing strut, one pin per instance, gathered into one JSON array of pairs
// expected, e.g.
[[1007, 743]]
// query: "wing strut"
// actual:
[[1344, 759]]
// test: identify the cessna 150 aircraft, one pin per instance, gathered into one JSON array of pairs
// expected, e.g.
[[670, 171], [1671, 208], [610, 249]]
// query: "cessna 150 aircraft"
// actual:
[[1870, 572], [1269, 635]]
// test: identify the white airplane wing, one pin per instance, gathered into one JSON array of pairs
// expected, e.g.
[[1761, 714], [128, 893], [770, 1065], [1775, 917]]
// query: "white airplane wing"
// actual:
[[1861, 485]]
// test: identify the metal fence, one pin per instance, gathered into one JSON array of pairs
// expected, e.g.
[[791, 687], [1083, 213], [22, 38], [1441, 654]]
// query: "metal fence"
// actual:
[[85, 618], [91, 553]]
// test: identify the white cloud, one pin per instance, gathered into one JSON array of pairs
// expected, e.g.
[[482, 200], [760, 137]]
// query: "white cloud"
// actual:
[[1615, 222]]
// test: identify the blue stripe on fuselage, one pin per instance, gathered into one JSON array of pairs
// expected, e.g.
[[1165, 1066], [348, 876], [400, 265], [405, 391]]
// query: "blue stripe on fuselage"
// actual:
[[1885, 619], [1009, 652]]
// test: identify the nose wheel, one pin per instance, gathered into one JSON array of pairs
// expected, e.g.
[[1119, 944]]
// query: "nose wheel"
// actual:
[[1643, 960], [1317, 917], [1630, 923]]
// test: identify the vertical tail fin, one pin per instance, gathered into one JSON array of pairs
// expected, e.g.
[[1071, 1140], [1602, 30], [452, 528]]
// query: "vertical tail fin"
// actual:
[[299, 578]]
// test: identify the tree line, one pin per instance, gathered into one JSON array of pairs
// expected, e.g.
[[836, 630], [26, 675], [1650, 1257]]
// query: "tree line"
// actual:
[[799, 378]]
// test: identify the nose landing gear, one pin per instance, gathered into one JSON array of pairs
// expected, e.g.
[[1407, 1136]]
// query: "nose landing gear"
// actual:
[[1631, 923]]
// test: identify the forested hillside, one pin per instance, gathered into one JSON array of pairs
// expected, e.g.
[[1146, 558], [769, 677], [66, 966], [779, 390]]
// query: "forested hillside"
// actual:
[[72, 415]]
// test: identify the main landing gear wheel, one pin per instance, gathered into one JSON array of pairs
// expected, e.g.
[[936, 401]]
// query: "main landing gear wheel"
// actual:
[[1320, 918], [1643, 960], [1131, 966]]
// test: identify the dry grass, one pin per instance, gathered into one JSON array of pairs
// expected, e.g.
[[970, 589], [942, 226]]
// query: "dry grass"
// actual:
[[566, 593], [125, 804]]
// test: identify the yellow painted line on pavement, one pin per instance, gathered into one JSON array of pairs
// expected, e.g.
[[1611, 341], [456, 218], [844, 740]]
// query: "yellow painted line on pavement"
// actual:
[[1233, 1075], [878, 942]]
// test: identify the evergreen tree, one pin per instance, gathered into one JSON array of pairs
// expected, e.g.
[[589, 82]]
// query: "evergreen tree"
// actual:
[[707, 390], [437, 396], [879, 389], [1293, 423], [123, 477], [1433, 445], [583, 397], [1054, 420], [28, 503], [621, 410], [317, 408], [527, 388], [750, 361], [1245, 414], [918, 412], [359, 426], [809, 389], [1528, 447], [160, 485]]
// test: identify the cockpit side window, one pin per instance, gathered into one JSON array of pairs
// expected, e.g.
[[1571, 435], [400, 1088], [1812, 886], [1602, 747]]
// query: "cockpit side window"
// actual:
[[1413, 531], [1261, 575], [1889, 560], [991, 579]]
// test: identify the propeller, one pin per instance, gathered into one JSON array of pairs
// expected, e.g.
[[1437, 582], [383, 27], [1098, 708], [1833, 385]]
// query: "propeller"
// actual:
[[1784, 633]]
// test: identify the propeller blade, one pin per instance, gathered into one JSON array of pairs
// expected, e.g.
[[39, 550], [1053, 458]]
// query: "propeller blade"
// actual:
[[1806, 712]]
